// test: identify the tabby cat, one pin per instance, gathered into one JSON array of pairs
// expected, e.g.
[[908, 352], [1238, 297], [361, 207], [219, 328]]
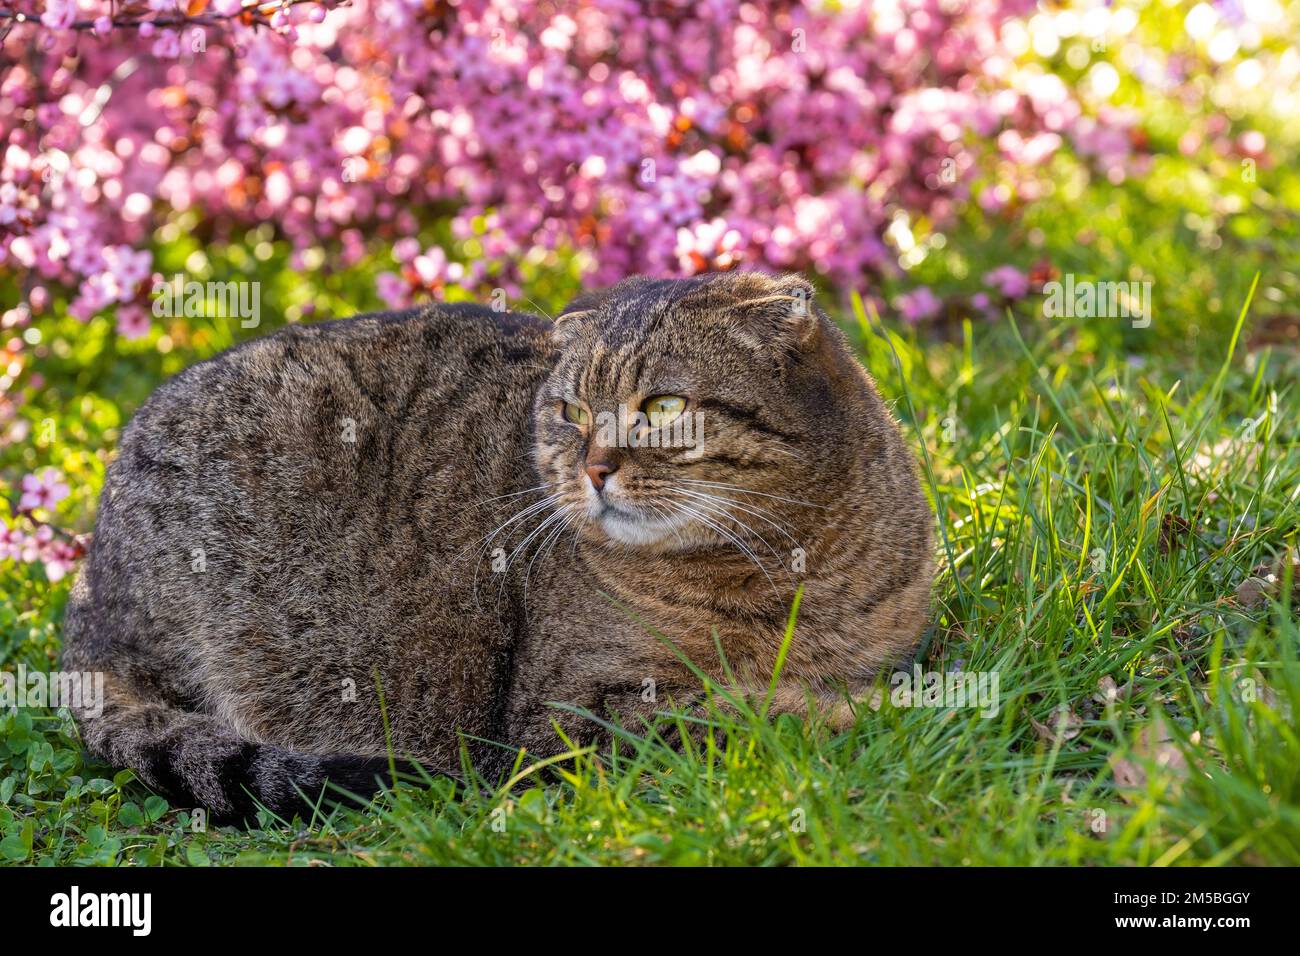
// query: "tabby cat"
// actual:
[[429, 526]]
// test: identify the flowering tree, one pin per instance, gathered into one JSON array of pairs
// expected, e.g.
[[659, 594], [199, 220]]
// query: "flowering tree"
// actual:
[[664, 138]]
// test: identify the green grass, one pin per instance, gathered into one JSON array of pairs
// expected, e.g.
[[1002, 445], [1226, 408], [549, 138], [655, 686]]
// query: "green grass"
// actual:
[[1099, 509]]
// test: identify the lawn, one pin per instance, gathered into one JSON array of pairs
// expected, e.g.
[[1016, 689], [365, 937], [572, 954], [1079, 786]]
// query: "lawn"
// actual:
[[1114, 520]]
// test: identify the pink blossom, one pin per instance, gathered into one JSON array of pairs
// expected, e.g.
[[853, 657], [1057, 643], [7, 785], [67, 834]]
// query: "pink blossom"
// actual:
[[12, 542], [393, 289], [665, 139], [59, 14], [1010, 282], [918, 305], [431, 267], [132, 322], [42, 491], [58, 558]]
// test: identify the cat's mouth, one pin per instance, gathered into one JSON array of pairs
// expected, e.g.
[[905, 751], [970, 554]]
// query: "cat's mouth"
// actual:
[[629, 524]]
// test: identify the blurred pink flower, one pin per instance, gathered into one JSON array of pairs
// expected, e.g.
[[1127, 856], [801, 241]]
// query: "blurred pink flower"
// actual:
[[12, 542], [42, 491], [59, 14], [664, 139], [431, 266], [132, 322], [393, 289], [918, 305], [1010, 282]]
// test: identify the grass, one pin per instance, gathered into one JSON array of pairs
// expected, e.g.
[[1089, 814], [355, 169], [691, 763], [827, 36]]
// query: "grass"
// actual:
[[1109, 520]]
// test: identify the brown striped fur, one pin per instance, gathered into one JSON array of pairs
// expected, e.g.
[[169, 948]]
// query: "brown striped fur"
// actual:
[[310, 516]]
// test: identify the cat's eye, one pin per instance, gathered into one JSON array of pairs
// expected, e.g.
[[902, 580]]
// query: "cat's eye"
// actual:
[[575, 413], [664, 409]]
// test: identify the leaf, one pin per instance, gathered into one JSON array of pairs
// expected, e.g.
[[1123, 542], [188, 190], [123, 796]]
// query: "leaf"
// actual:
[[13, 848], [130, 816], [40, 756], [1063, 721], [154, 808], [196, 857], [1108, 692], [7, 786], [1107, 689], [194, 7], [532, 802], [1252, 593], [1154, 747], [123, 777]]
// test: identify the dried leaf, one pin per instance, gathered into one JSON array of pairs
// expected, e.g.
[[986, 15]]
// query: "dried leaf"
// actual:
[[1108, 692], [1253, 593], [1063, 722], [1156, 745]]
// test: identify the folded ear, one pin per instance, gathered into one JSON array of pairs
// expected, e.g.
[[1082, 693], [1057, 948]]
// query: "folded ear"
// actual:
[[774, 312], [584, 302], [570, 317], [582, 305]]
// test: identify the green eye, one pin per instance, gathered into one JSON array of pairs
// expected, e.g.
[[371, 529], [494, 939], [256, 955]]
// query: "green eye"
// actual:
[[575, 413], [664, 409]]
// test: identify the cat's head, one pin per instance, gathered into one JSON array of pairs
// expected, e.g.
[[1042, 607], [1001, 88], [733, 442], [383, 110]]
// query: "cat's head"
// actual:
[[681, 411]]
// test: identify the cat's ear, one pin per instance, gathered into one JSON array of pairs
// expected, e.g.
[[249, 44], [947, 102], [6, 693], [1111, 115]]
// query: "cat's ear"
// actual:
[[570, 318], [565, 325], [584, 302], [775, 312]]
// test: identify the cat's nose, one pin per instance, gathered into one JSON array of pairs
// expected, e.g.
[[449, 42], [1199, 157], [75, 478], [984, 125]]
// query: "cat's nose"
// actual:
[[599, 470]]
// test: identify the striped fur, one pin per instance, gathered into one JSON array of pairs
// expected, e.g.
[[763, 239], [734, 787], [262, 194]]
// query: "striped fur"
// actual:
[[355, 508]]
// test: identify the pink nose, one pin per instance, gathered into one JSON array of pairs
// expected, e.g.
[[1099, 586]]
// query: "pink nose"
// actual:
[[597, 472]]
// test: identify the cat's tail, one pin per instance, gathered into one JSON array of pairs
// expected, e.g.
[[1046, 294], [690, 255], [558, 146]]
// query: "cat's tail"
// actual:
[[198, 762]]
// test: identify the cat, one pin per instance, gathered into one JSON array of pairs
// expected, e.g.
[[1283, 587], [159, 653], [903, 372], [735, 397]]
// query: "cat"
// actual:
[[395, 532]]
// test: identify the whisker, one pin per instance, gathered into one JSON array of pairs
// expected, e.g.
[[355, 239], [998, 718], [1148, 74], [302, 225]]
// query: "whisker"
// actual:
[[759, 513], [723, 513], [737, 488], [554, 516], [513, 494], [551, 539], [573, 548], [668, 521], [523, 545], [483, 543], [693, 513], [524, 513]]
